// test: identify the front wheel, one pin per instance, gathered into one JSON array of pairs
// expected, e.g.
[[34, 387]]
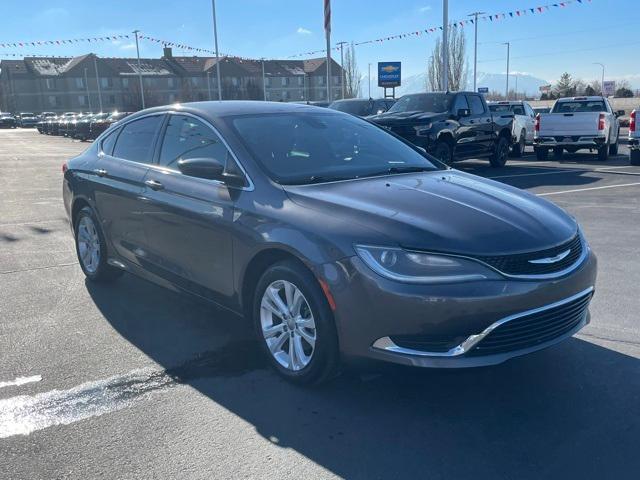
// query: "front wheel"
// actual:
[[91, 248], [558, 152], [541, 153], [499, 157], [443, 152], [294, 324]]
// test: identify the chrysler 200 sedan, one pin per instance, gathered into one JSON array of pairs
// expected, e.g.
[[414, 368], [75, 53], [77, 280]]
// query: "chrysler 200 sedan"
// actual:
[[337, 239]]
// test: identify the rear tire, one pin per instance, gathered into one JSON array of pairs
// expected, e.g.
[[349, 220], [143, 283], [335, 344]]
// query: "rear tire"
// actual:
[[443, 152], [518, 149], [89, 239], [613, 149], [283, 326], [499, 157], [603, 153], [634, 157], [558, 152], [541, 153]]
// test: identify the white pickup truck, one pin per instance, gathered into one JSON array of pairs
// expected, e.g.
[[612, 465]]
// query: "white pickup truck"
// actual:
[[578, 123], [523, 122], [634, 138]]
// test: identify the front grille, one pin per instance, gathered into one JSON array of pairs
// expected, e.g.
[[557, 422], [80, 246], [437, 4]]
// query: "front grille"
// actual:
[[533, 329], [405, 131], [520, 264]]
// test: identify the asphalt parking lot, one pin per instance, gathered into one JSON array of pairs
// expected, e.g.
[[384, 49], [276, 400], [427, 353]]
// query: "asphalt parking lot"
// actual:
[[132, 381]]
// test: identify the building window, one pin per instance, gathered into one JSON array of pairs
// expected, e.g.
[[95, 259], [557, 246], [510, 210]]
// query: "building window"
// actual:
[[172, 97], [105, 82], [82, 100], [52, 100], [285, 81], [300, 81], [336, 80], [321, 80], [51, 83], [79, 82], [148, 82], [235, 81], [125, 82], [267, 82], [111, 99], [195, 81], [285, 95], [170, 83]]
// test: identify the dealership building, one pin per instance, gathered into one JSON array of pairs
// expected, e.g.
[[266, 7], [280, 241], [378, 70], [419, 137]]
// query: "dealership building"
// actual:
[[92, 83]]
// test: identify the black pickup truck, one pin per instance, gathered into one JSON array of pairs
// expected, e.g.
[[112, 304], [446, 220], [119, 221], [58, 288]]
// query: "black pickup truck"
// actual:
[[450, 126]]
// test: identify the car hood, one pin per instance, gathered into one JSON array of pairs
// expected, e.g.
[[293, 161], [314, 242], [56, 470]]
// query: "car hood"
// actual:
[[445, 211], [398, 118]]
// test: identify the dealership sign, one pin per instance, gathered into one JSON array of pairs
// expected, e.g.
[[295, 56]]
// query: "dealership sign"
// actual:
[[483, 89], [608, 87], [389, 74]]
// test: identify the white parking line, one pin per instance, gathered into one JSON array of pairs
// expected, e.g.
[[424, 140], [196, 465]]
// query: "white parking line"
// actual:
[[588, 189], [21, 381], [554, 172]]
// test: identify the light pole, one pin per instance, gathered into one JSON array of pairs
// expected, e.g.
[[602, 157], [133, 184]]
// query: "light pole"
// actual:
[[516, 75], [369, 77], [445, 45], [215, 40], [602, 82], [139, 72], [95, 66], [209, 83], [264, 83], [327, 31], [86, 86], [342, 65], [506, 95], [475, 48]]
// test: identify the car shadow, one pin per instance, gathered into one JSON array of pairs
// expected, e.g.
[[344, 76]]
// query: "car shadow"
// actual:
[[571, 411]]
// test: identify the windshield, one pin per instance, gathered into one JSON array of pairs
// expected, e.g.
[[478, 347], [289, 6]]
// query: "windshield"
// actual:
[[424, 102], [577, 106], [300, 148], [359, 107]]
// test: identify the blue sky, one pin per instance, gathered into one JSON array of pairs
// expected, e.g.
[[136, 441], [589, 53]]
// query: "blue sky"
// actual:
[[543, 45]]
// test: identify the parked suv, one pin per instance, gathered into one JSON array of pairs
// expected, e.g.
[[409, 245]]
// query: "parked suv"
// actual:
[[451, 126], [27, 120], [7, 121]]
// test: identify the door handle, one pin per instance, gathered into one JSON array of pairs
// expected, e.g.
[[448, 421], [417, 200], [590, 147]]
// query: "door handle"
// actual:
[[154, 184], [100, 172]]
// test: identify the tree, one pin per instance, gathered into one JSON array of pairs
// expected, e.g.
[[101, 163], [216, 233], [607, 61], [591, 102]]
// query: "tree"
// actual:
[[624, 92], [589, 91], [351, 74], [565, 86], [457, 57]]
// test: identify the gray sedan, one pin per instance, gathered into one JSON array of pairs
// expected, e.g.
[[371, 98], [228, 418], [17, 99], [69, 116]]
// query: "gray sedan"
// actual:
[[337, 239]]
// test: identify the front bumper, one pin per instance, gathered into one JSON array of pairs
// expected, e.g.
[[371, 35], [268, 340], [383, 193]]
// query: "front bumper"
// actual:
[[371, 312]]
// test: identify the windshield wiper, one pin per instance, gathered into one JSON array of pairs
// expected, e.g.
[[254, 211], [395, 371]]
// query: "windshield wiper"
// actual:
[[403, 169]]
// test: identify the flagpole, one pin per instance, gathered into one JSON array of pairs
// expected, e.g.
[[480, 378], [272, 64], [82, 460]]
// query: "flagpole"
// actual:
[[445, 45], [327, 29], [139, 73], [215, 39]]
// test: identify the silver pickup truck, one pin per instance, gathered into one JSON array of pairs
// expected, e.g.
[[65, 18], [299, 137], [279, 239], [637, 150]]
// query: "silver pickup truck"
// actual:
[[634, 138], [523, 122], [578, 123]]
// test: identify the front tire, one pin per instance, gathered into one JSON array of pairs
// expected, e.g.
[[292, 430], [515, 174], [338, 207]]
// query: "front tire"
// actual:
[[558, 152], [541, 153], [91, 248], [295, 325], [443, 152], [499, 157]]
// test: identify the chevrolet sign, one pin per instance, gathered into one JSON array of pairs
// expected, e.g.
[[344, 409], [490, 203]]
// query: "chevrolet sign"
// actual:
[[389, 74]]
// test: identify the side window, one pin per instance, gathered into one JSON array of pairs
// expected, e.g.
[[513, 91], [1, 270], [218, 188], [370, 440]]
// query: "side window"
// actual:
[[109, 142], [475, 102], [460, 103], [529, 111], [135, 142], [518, 110], [187, 137]]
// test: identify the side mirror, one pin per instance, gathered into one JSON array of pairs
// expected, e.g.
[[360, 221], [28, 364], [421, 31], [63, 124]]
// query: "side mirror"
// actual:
[[620, 113], [464, 112], [380, 110], [208, 168]]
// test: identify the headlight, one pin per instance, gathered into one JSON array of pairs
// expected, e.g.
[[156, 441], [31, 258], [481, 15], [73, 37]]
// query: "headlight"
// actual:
[[413, 267], [422, 130]]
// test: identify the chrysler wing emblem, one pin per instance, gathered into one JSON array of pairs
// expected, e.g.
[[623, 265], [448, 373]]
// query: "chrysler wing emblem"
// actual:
[[555, 259]]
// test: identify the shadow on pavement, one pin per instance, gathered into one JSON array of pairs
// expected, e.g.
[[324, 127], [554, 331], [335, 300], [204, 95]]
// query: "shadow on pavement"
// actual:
[[572, 411]]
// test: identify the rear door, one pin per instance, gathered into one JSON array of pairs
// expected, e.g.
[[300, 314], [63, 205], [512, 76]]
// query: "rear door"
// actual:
[[189, 220], [119, 174]]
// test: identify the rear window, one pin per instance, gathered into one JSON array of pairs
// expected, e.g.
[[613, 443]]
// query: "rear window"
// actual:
[[578, 106], [360, 108]]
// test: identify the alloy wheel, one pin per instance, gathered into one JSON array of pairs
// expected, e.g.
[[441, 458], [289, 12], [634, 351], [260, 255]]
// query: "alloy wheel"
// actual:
[[288, 326], [88, 244]]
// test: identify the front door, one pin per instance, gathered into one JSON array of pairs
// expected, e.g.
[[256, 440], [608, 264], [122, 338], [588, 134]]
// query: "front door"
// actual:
[[189, 220]]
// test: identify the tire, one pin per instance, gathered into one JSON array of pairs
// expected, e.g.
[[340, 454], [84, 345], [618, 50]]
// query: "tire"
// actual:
[[87, 230], [518, 148], [443, 152], [613, 149], [558, 152], [276, 331], [634, 156], [499, 157], [541, 153], [603, 153]]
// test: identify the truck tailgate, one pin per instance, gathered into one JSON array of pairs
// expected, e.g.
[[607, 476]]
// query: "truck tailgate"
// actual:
[[581, 123]]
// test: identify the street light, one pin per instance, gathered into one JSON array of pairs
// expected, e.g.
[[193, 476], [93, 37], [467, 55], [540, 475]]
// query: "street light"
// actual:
[[139, 73], [445, 45], [475, 47], [342, 44], [601, 83], [215, 40], [506, 96]]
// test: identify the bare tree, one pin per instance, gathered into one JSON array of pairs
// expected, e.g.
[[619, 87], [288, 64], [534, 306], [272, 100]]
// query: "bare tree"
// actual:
[[351, 73], [457, 62]]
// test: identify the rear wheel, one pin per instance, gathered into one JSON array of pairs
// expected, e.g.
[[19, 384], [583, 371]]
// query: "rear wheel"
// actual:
[[613, 149], [557, 153], [603, 153], [541, 153], [443, 152], [295, 325], [499, 157], [518, 148], [634, 157], [91, 248]]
